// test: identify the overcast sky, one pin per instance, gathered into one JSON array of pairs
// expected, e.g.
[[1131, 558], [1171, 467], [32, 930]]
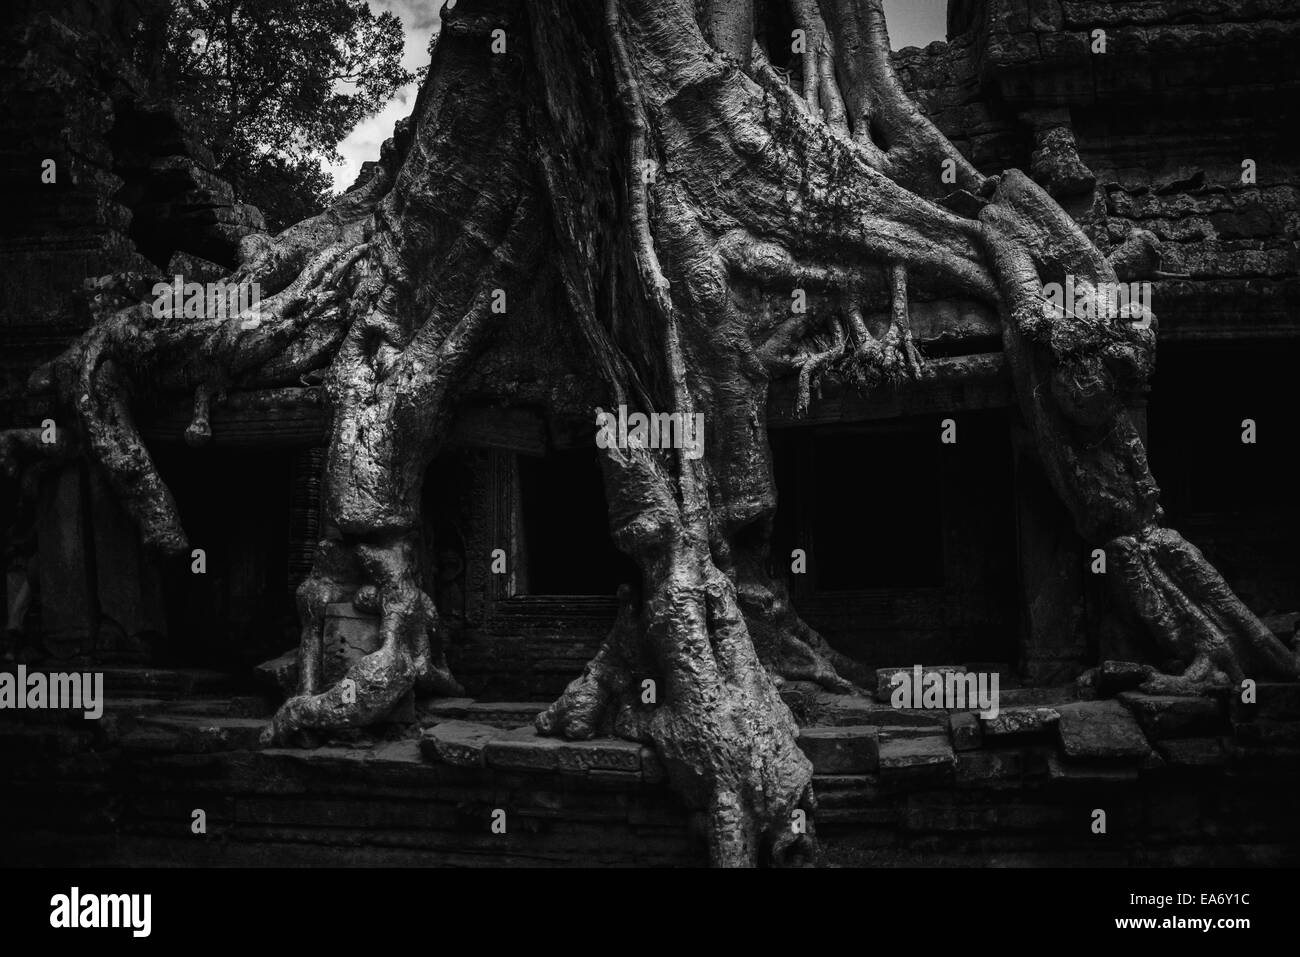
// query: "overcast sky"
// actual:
[[911, 23]]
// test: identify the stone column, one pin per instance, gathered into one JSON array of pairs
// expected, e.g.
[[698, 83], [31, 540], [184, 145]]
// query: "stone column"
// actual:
[[69, 609], [1053, 562]]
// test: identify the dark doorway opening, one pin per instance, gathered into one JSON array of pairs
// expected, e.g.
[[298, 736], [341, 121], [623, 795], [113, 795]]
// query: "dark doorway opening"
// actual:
[[910, 543], [564, 528], [236, 508]]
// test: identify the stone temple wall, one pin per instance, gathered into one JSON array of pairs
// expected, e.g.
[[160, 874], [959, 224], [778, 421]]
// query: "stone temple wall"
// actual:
[[133, 189]]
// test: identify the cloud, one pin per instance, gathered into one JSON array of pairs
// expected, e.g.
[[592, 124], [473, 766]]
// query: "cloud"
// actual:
[[420, 21], [911, 23]]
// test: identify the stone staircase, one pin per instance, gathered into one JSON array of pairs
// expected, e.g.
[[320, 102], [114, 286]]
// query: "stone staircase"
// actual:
[[1185, 780]]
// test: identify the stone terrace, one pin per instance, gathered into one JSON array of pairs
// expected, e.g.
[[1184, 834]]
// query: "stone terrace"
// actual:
[[1182, 781]]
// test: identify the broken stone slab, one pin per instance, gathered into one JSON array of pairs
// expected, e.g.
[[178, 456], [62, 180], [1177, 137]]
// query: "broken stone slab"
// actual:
[[458, 743], [523, 749], [198, 734], [280, 674], [913, 758], [885, 677], [1173, 716], [964, 727], [1116, 676], [844, 749], [1037, 697], [600, 754], [827, 709], [1061, 771], [444, 709], [1101, 730], [990, 768], [505, 714], [1194, 753], [1025, 721]]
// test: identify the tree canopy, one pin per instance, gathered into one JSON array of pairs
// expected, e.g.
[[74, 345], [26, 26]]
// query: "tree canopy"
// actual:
[[276, 85]]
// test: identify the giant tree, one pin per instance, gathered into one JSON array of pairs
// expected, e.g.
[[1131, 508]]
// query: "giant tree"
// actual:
[[666, 165]]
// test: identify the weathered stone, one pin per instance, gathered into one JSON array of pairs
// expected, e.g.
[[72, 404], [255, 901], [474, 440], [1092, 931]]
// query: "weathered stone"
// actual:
[[1019, 721], [504, 714], [460, 743], [1116, 676], [903, 757], [442, 709], [1194, 752], [1037, 697], [606, 754], [1060, 770], [826, 709], [348, 636], [846, 749], [989, 768], [965, 730], [280, 673], [198, 734], [1101, 730], [885, 677], [524, 749], [1170, 716]]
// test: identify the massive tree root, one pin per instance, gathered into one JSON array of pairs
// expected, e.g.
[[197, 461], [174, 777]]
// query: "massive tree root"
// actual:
[[745, 189]]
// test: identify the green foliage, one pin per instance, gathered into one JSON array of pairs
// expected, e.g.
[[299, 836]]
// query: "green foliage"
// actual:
[[276, 85]]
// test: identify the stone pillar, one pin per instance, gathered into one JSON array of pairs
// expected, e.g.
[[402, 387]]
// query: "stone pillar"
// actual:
[[128, 578], [69, 610], [1054, 643], [304, 513]]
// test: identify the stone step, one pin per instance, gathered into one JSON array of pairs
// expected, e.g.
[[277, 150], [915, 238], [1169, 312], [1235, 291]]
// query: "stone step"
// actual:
[[1101, 730], [844, 749], [830, 710], [1194, 752], [915, 759], [1032, 721], [195, 734], [458, 743], [476, 744], [233, 706], [1170, 716], [498, 714], [165, 682], [1063, 771]]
